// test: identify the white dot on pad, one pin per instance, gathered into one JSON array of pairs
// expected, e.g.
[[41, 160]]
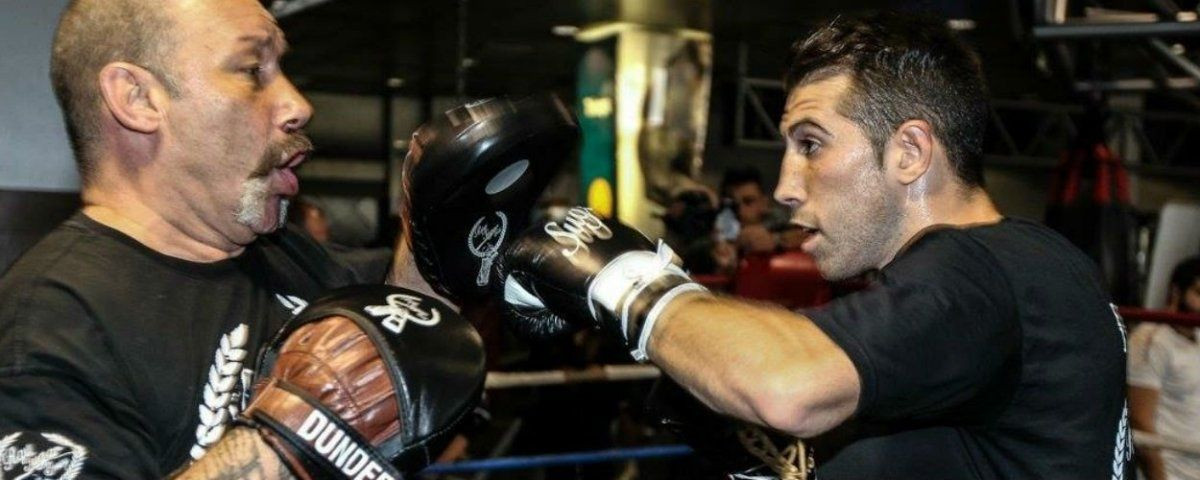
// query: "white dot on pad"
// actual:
[[506, 177]]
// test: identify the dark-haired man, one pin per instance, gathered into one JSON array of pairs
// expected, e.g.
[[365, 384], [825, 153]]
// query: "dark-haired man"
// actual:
[[986, 349], [1164, 379], [743, 188]]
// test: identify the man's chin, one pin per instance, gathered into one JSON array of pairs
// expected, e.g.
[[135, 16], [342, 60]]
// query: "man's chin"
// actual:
[[834, 269], [268, 217]]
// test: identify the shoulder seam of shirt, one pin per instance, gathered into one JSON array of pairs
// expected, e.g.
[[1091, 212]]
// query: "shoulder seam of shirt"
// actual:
[[41, 280], [25, 296]]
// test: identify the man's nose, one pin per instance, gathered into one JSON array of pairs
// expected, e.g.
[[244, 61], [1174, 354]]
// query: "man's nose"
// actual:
[[790, 190], [294, 109]]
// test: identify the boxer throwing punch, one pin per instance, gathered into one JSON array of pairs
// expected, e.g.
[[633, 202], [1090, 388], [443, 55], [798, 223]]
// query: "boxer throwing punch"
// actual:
[[986, 349]]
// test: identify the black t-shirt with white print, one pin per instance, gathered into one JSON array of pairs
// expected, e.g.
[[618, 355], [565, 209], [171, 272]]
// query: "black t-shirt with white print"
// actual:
[[120, 362], [983, 353]]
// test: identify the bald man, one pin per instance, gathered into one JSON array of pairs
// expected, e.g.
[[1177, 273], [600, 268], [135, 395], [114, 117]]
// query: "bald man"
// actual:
[[128, 335]]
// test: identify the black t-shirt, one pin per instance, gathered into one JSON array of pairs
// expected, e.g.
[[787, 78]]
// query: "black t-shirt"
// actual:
[[120, 362], [984, 352]]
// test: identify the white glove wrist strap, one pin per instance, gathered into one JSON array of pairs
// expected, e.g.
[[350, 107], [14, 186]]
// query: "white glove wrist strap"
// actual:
[[619, 287]]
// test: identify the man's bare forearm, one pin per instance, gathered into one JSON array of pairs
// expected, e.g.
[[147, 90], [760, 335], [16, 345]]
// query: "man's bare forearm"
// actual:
[[241, 453], [757, 362]]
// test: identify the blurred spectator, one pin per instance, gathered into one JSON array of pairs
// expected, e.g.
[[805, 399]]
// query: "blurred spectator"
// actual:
[[689, 227], [1164, 380], [369, 264], [791, 237], [310, 217], [743, 188], [690, 215]]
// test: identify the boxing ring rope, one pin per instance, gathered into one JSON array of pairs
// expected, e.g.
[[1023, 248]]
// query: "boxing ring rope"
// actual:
[[1159, 316], [603, 373], [1146, 439], [560, 459], [1140, 439], [623, 373]]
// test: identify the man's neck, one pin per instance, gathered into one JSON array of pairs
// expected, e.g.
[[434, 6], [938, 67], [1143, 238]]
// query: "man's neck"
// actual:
[[954, 209], [157, 230]]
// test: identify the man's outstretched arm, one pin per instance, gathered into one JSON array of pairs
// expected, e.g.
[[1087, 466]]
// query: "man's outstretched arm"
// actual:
[[757, 362]]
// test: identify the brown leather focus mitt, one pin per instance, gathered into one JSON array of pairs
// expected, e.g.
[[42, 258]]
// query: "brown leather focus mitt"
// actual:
[[368, 382]]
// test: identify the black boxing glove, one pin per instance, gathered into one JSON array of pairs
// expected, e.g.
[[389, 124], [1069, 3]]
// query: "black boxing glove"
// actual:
[[471, 179], [588, 271], [368, 382]]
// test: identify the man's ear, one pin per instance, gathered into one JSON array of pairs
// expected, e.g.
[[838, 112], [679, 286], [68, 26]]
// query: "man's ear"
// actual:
[[913, 150], [133, 96]]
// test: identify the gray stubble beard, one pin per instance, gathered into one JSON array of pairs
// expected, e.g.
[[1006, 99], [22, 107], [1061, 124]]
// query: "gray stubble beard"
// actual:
[[253, 203]]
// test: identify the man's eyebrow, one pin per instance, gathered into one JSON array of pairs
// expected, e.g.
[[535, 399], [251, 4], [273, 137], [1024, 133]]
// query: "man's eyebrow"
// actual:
[[806, 121], [273, 41]]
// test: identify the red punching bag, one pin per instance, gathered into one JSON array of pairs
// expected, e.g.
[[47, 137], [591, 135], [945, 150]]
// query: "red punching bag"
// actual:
[[1089, 204]]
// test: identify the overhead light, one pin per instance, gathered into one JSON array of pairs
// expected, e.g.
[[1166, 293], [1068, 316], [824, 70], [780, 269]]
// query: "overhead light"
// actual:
[[1185, 16], [565, 30], [603, 30], [960, 24]]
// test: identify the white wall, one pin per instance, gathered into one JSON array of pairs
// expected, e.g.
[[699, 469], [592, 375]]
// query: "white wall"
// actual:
[[34, 152]]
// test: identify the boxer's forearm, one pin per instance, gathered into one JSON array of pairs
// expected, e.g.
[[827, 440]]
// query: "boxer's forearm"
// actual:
[[756, 362], [241, 453]]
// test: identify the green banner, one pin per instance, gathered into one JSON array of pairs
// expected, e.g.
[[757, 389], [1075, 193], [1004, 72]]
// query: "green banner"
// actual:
[[596, 105]]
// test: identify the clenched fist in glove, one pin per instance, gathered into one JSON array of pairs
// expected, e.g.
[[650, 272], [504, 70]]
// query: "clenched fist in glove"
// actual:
[[584, 270], [368, 382]]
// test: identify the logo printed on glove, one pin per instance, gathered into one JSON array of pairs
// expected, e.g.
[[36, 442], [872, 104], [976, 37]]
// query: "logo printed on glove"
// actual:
[[52, 456], [484, 241], [580, 228], [400, 310], [340, 449]]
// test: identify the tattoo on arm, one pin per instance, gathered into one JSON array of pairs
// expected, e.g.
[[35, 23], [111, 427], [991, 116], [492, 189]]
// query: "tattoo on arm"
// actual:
[[241, 453]]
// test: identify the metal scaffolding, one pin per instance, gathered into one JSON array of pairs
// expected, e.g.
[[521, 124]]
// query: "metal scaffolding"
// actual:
[[1022, 133]]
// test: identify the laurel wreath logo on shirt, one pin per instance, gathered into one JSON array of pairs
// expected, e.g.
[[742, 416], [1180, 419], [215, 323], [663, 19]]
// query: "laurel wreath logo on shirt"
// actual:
[[1124, 449], [227, 380], [63, 460]]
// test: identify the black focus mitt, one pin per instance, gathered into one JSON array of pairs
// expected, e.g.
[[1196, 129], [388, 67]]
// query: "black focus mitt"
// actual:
[[471, 180]]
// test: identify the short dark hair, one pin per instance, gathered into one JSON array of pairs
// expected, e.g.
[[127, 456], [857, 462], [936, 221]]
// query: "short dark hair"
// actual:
[[92, 34], [1185, 274], [902, 67], [740, 175]]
